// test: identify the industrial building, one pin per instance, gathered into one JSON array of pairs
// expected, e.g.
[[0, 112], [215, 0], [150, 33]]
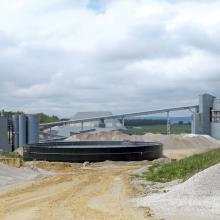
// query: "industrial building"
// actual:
[[98, 125], [206, 120], [4, 140], [22, 130], [18, 131]]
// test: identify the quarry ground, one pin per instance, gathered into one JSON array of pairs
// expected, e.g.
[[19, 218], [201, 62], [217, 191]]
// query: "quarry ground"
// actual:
[[98, 191], [94, 191]]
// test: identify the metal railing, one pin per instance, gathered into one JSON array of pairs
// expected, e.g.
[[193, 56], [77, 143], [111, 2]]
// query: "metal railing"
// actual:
[[121, 116]]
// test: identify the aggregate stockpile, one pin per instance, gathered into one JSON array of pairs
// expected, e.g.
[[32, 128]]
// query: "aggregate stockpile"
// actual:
[[174, 146], [197, 198]]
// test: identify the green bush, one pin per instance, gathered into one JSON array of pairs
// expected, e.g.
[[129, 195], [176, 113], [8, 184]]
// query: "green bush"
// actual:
[[4, 154], [162, 129], [184, 168]]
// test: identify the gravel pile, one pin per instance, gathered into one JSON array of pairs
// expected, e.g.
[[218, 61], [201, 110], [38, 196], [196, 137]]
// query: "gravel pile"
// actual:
[[197, 198], [170, 141], [12, 176], [175, 146]]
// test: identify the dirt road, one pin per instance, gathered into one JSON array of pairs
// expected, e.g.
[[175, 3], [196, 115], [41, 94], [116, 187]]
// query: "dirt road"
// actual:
[[99, 191]]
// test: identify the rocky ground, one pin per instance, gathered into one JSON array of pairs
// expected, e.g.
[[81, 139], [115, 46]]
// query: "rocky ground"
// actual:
[[196, 198], [12, 176], [98, 191], [107, 190]]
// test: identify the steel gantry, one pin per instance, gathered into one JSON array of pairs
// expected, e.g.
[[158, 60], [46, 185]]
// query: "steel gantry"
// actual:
[[123, 116]]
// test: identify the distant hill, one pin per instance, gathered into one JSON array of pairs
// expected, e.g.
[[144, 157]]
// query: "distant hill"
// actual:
[[185, 120], [173, 120], [47, 118]]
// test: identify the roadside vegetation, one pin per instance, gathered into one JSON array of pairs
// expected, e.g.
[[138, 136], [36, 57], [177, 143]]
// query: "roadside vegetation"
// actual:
[[160, 129], [184, 168], [4, 154]]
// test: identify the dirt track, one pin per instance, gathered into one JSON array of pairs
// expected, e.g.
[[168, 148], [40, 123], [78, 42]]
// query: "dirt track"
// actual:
[[100, 191]]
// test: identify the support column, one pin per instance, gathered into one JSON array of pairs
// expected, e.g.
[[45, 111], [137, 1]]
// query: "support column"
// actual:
[[101, 123], [168, 123], [82, 126], [22, 127], [50, 134], [15, 131], [123, 122]]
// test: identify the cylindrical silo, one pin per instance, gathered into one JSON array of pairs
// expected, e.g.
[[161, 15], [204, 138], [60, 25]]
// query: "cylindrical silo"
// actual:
[[22, 137], [33, 129], [15, 131]]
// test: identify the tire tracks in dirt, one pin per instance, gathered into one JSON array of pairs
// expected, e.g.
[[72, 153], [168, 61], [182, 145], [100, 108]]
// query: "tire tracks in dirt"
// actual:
[[97, 192]]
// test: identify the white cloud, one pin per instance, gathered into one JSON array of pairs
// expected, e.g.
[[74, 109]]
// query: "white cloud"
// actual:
[[66, 56]]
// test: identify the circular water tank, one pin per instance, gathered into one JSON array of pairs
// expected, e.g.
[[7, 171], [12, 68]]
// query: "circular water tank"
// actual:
[[93, 151]]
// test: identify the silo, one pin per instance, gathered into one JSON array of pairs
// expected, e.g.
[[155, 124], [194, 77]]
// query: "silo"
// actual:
[[33, 129], [4, 145], [215, 124], [15, 131], [22, 137]]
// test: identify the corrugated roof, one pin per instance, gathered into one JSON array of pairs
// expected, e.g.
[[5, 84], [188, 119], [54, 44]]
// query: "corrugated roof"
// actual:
[[83, 115]]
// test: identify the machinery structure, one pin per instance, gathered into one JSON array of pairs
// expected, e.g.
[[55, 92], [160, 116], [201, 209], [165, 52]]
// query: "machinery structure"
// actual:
[[18, 131], [4, 140], [66, 130], [206, 120], [22, 130], [122, 117], [205, 117]]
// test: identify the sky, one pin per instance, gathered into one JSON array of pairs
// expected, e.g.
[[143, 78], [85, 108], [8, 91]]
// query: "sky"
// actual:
[[65, 56]]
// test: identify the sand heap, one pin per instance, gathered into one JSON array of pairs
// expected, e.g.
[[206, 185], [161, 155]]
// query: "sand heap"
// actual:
[[101, 136], [11, 175], [197, 198], [175, 146]]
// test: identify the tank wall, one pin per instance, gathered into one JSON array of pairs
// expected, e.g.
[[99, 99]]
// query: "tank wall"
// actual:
[[15, 131], [22, 130], [215, 130], [33, 129], [196, 123], [205, 105], [216, 104], [4, 145]]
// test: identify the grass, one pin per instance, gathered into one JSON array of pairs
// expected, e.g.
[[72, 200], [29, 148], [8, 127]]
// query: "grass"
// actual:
[[4, 154], [184, 168], [175, 129]]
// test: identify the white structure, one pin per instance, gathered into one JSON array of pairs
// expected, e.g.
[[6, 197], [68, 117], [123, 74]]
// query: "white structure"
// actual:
[[215, 124], [70, 129], [207, 119]]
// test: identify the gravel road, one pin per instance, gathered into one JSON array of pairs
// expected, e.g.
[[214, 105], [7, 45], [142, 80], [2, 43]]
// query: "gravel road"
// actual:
[[99, 191], [197, 198]]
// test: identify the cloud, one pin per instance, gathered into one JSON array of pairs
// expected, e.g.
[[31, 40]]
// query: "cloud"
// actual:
[[61, 57]]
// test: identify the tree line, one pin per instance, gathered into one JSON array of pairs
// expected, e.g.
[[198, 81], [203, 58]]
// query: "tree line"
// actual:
[[44, 118]]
